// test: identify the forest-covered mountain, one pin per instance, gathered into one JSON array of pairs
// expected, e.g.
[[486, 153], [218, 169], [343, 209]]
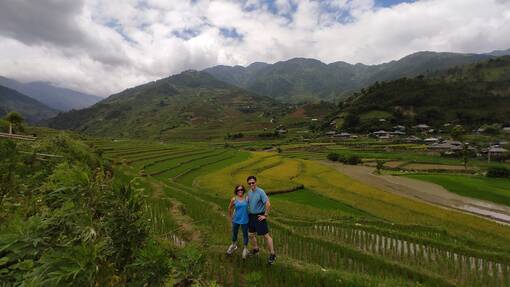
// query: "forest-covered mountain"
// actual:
[[471, 95], [188, 104], [300, 79], [32, 110], [57, 98]]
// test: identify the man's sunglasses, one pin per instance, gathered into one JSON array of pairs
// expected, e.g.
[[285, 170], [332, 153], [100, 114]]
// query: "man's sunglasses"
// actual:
[[251, 183]]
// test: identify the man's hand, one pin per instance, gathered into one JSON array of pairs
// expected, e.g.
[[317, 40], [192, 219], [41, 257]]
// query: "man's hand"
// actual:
[[261, 217]]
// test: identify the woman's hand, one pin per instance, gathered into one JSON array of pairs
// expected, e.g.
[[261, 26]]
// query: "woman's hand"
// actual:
[[261, 217]]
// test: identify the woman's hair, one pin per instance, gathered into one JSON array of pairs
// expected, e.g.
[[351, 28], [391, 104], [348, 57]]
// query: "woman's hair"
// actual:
[[238, 186]]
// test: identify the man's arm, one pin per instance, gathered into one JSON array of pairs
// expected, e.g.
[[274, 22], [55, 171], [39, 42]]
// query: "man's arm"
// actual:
[[268, 207]]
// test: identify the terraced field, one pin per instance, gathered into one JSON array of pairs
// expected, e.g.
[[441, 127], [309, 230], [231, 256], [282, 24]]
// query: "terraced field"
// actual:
[[329, 229]]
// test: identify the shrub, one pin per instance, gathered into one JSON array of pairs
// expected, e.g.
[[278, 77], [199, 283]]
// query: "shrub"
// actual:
[[353, 160], [349, 159], [498, 172], [333, 157]]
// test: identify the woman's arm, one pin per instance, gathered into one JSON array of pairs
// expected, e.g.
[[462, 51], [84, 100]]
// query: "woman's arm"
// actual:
[[231, 208]]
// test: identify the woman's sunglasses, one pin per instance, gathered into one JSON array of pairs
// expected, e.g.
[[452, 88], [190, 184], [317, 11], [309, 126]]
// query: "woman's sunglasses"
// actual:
[[240, 189]]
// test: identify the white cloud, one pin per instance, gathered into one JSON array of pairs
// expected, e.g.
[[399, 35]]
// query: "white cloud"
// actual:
[[103, 47]]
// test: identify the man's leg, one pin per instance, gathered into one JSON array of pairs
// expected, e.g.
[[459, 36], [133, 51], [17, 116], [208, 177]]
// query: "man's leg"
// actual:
[[252, 229], [269, 241], [253, 239]]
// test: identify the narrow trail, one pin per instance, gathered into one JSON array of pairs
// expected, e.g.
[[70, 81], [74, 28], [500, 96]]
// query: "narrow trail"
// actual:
[[426, 191]]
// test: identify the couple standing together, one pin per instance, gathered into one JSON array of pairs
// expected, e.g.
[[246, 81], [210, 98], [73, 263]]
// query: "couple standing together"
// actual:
[[249, 213]]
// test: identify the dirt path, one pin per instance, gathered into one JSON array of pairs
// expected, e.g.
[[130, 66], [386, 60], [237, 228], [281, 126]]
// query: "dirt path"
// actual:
[[425, 191]]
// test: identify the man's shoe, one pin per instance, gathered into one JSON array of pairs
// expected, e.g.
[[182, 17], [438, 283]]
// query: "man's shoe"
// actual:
[[231, 249], [272, 259], [254, 251], [245, 252]]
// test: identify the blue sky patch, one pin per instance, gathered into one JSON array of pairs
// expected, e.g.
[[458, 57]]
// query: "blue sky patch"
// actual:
[[230, 33], [186, 34]]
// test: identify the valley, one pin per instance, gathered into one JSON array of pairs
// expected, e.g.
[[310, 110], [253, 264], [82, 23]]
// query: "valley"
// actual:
[[403, 183]]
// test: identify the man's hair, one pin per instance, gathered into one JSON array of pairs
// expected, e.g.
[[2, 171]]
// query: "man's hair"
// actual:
[[251, 177]]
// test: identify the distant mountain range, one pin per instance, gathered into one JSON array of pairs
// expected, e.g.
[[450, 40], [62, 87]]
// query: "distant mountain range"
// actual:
[[213, 103], [301, 79], [31, 110], [57, 98], [191, 104]]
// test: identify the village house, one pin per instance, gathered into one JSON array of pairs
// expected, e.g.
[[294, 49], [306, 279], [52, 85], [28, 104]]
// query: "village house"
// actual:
[[343, 135], [497, 151], [446, 146], [398, 133], [281, 131], [412, 139], [431, 140], [381, 134], [422, 127]]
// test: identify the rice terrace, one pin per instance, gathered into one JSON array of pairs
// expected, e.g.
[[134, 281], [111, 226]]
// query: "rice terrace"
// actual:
[[227, 143]]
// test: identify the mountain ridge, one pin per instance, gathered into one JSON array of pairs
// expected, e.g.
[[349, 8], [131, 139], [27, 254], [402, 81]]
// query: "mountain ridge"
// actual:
[[299, 79], [191, 102], [32, 110], [61, 99]]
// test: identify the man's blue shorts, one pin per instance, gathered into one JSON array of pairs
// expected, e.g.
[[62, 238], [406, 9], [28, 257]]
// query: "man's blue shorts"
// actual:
[[256, 226]]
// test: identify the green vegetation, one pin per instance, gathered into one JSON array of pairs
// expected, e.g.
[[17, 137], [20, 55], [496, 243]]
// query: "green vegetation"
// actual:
[[126, 212], [67, 218], [498, 171], [470, 95], [490, 189], [187, 106]]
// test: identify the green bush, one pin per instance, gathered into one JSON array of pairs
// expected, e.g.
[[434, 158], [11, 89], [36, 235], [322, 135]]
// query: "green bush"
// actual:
[[498, 172], [333, 156]]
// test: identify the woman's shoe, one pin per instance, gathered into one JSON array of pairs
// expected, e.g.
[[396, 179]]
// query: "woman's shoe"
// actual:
[[245, 252], [231, 249]]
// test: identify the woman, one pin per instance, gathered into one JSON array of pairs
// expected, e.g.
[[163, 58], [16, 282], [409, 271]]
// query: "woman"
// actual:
[[238, 212]]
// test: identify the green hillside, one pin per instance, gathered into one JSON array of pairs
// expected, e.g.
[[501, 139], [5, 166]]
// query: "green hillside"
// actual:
[[301, 79], [471, 95], [188, 105], [32, 110]]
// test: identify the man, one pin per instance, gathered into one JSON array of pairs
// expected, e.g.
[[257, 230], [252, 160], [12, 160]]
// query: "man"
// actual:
[[258, 211]]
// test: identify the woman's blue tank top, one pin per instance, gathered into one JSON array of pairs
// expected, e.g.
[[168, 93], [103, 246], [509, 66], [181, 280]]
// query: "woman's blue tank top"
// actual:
[[241, 212]]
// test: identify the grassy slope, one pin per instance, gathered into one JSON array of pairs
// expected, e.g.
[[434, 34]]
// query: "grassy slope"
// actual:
[[490, 189]]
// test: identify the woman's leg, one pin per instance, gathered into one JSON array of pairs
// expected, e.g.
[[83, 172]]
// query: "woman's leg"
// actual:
[[235, 230], [244, 228]]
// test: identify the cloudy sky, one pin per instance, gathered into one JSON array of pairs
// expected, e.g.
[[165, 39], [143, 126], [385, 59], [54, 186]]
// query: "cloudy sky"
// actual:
[[104, 46]]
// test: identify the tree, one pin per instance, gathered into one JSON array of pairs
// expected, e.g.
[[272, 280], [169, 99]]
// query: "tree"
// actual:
[[14, 119], [351, 121], [457, 134], [379, 166]]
